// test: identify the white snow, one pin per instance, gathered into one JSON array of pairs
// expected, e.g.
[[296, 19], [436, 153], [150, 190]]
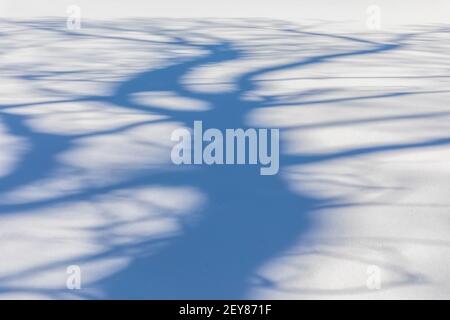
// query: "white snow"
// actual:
[[377, 123]]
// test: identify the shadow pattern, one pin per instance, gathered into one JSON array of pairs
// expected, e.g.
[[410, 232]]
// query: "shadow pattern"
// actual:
[[248, 219]]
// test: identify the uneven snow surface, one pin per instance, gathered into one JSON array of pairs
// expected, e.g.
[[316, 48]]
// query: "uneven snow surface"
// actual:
[[86, 177]]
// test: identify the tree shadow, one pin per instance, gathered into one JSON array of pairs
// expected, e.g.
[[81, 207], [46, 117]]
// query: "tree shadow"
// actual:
[[248, 219]]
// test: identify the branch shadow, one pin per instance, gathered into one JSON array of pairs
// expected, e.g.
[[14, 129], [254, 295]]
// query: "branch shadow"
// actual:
[[248, 219]]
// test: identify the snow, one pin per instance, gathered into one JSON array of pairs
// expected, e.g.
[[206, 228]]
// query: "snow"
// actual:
[[86, 177]]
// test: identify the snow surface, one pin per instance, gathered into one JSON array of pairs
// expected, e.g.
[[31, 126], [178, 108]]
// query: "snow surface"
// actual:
[[86, 177]]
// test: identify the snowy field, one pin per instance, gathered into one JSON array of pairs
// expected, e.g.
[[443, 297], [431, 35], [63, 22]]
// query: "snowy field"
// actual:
[[86, 178]]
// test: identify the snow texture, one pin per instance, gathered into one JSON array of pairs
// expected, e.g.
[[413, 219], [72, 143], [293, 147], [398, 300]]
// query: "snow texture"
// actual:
[[86, 177]]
